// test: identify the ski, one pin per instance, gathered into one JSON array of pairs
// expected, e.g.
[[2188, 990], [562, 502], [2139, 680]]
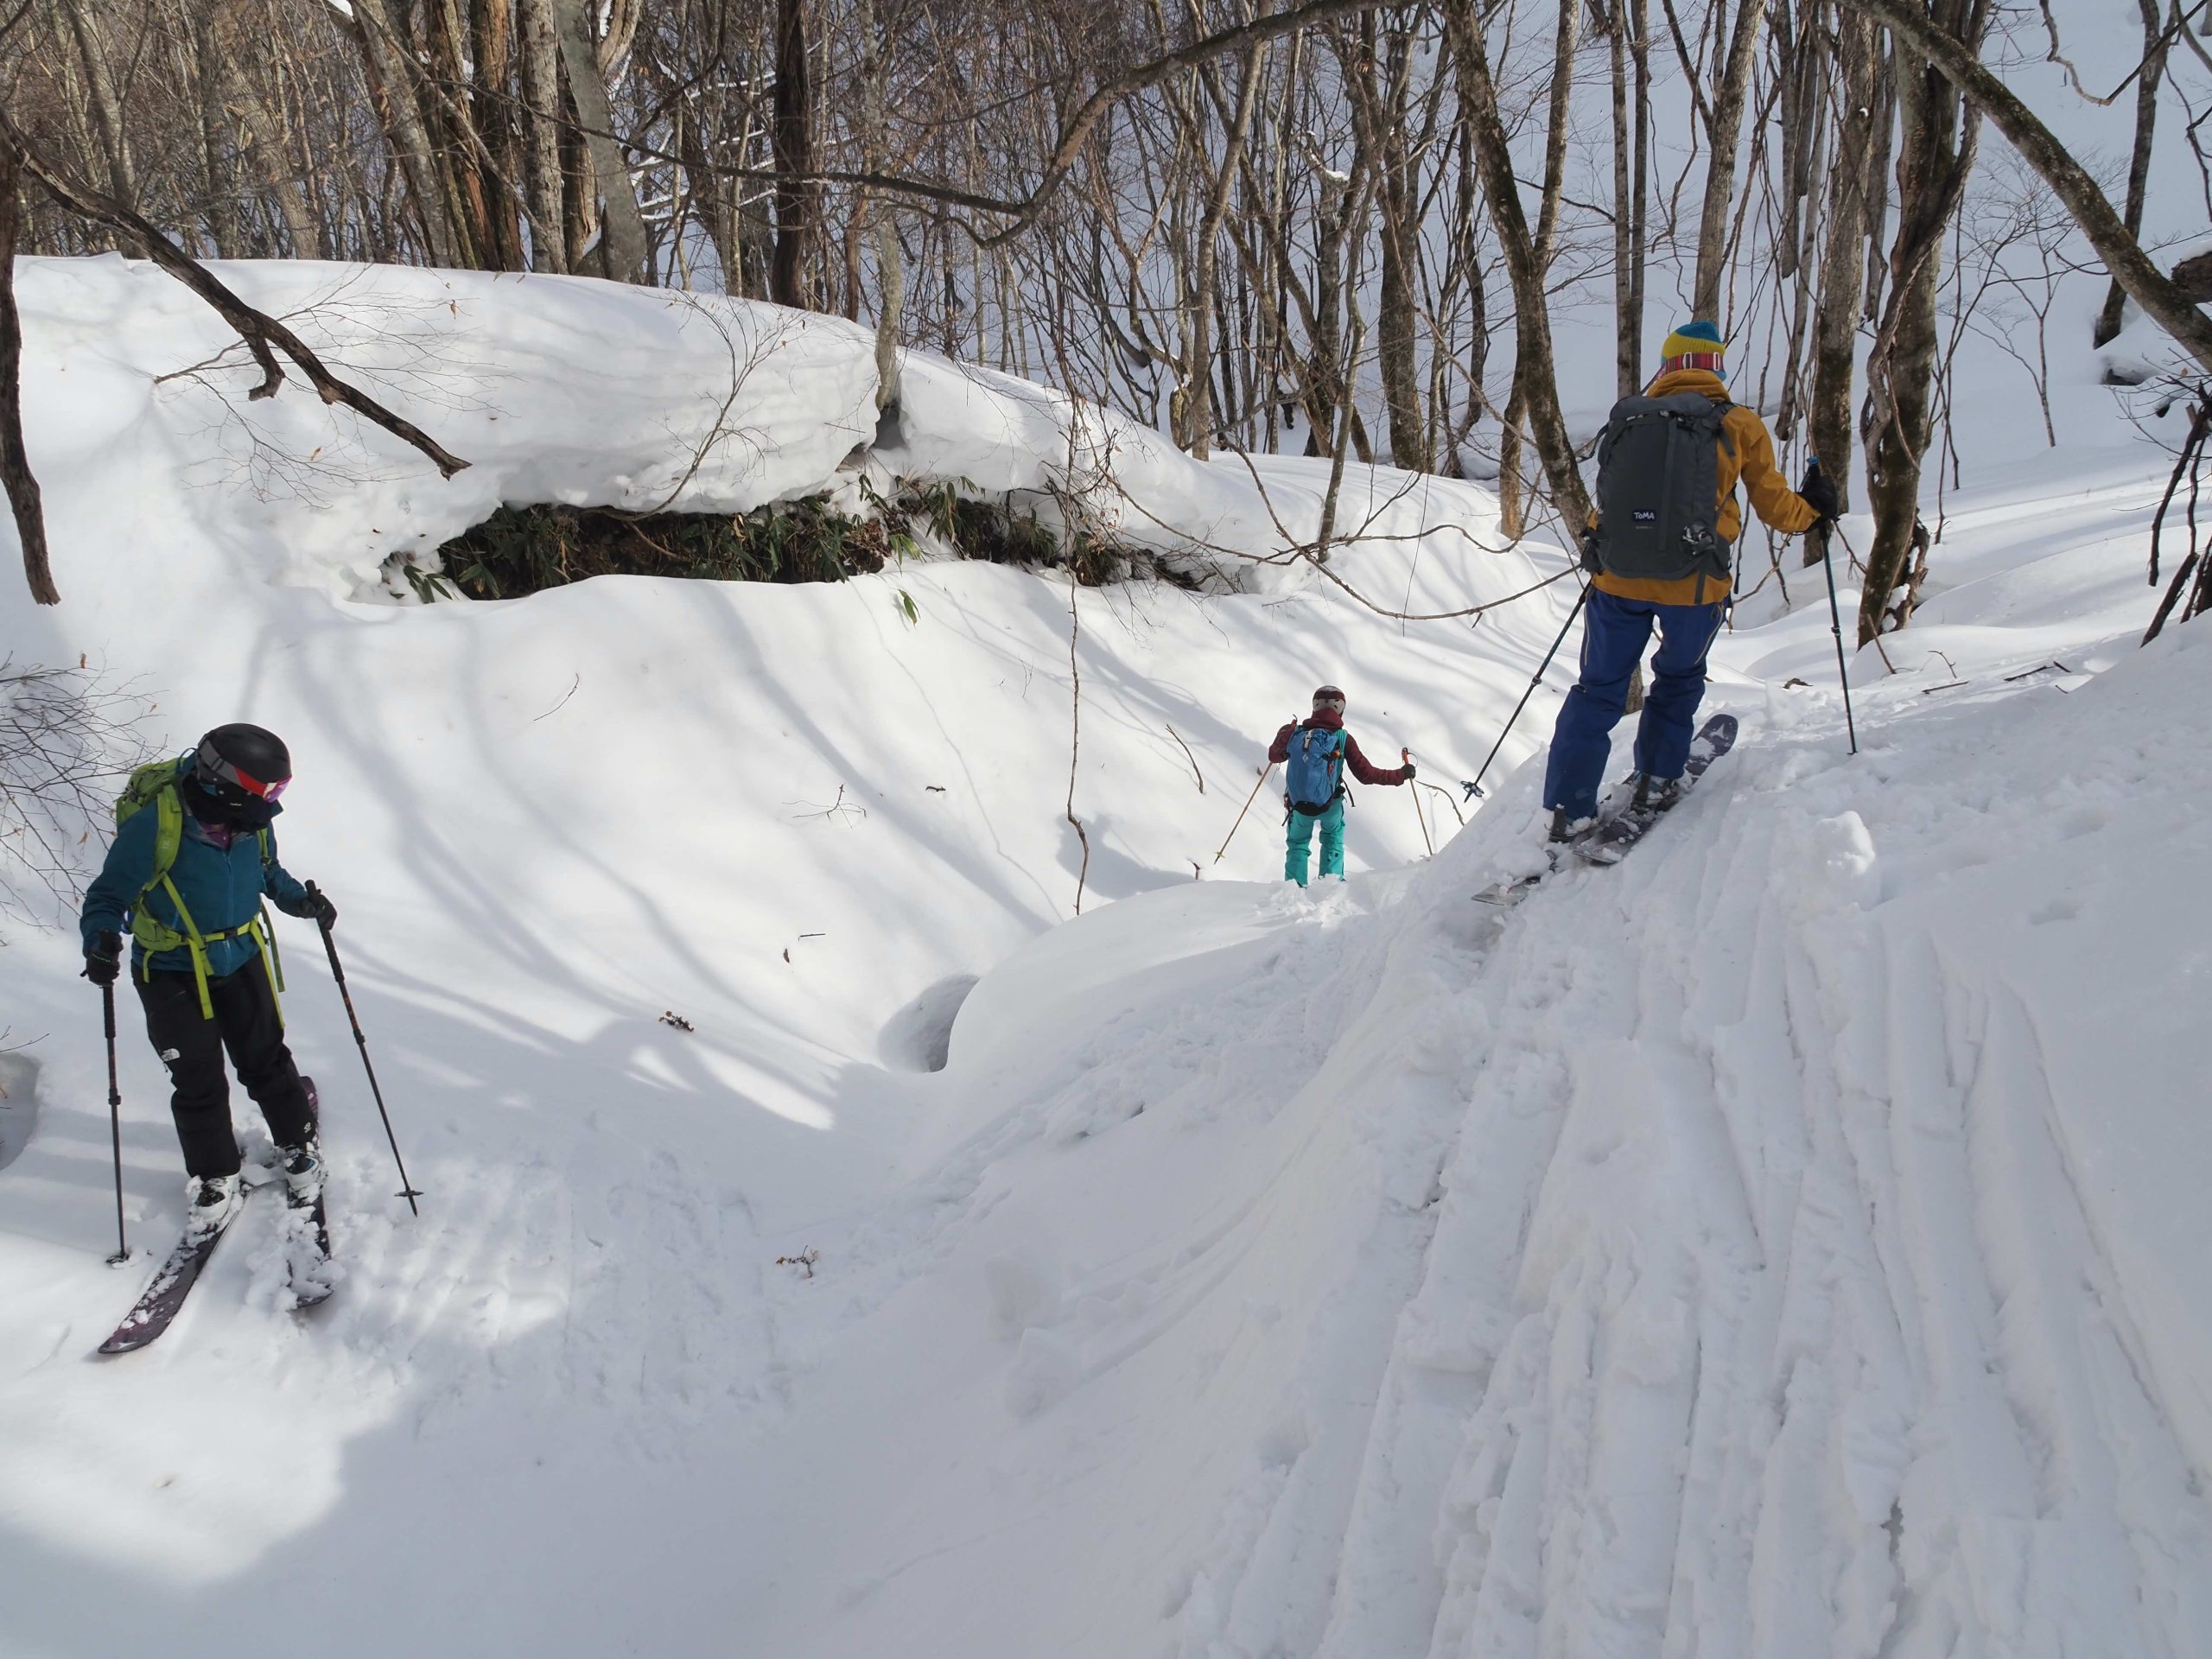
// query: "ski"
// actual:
[[1610, 842], [164, 1297], [306, 1226], [1617, 828]]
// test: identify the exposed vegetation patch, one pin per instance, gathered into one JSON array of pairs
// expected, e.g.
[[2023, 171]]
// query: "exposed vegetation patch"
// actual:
[[523, 549]]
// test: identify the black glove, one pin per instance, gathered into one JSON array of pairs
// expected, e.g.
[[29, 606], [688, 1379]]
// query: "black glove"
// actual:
[[1409, 771], [104, 959], [320, 910], [1819, 491], [1590, 543]]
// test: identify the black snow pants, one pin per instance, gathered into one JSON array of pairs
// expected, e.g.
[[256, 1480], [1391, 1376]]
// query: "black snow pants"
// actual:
[[191, 1044]]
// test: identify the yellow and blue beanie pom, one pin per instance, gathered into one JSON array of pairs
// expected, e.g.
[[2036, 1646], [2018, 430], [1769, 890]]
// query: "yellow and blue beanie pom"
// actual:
[[1695, 346]]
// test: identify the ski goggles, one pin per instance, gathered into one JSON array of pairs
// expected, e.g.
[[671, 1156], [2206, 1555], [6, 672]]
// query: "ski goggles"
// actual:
[[214, 769]]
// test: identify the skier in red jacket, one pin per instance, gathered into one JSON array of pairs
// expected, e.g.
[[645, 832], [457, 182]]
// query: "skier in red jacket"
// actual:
[[1317, 751]]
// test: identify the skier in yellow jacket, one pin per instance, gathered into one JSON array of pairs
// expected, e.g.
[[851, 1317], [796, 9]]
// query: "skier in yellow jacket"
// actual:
[[1658, 562]]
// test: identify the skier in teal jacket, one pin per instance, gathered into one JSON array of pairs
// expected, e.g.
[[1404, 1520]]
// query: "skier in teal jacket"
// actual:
[[201, 960]]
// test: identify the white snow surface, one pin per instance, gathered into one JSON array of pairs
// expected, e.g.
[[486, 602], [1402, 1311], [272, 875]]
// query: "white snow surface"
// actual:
[[1789, 1242]]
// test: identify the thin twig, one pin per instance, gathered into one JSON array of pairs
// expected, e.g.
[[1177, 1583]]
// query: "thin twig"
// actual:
[[1187, 755], [564, 703]]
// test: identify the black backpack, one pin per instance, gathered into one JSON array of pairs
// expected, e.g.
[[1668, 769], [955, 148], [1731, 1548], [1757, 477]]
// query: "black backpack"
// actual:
[[1659, 488]]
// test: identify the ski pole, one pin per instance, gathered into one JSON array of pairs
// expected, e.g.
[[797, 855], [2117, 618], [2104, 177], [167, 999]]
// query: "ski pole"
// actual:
[[1475, 785], [1249, 799], [1405, 757], [115, 1127], [1835, 617], [407, 1188]]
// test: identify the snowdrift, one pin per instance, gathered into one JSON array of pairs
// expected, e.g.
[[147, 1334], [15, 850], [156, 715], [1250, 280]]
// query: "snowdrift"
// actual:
[[1780, 1244]]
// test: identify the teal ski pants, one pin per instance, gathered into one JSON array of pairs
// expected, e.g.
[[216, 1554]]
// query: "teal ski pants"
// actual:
[[1299, 834]]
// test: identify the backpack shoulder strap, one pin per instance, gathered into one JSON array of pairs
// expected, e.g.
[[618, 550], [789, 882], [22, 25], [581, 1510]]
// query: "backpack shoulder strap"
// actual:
[[1720, 411], [169, 836]]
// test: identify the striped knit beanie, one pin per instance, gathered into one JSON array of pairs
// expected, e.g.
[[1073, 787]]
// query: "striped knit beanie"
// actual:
[[1694, 345]]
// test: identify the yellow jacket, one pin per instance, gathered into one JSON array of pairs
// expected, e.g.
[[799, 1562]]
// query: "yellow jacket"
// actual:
[[1772, 498]]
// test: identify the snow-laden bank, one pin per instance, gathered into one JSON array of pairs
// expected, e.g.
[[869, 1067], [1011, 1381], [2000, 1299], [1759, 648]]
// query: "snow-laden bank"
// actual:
[[1781, 1244]]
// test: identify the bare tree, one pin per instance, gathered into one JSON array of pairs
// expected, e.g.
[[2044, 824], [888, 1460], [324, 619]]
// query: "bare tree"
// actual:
[[1852, 183], [1535, 365], [2150, 78], [1729, 98], [1935, 152]]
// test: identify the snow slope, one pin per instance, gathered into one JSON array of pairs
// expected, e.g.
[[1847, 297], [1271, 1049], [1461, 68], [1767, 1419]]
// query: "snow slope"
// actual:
[[1781, 1244]]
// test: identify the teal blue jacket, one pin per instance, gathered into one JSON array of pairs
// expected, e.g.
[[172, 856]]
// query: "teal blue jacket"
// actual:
[[222, 887]]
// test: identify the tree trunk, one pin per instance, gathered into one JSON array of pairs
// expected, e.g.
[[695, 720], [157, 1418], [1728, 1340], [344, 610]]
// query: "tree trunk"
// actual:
[[1728, 102], [890, 261], [1197, 374], [2149, 79], [1936, 149], [1960, 63], [539, 61], [391, 79], [792, 141], [622, 227], [1805, 127], [258, 128], [491, 25], [1378, 112], [101, 97], [22, 484], [1629, 46], [1835, 327], [1535, 369]]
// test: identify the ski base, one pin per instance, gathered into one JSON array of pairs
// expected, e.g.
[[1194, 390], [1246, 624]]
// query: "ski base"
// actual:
[[164, 1297]]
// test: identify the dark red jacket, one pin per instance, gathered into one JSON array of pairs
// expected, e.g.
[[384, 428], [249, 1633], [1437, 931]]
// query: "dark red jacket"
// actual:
[[1361, 768]]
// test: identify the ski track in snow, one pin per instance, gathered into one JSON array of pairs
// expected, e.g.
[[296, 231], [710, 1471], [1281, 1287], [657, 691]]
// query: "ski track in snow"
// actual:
[[1765, 1270], [1787, 1243]]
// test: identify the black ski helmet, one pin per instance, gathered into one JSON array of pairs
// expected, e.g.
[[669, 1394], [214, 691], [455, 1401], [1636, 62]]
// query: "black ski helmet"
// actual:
[[243, 767]]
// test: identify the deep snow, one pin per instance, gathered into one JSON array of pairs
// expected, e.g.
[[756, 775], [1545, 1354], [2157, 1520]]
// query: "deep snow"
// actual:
[[1784, 1244]]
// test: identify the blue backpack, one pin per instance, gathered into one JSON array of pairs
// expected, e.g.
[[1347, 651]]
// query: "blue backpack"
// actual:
[[1316, 759]]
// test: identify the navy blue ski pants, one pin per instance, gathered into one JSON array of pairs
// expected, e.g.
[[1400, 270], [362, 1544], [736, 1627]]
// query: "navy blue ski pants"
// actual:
[[1614, 634]]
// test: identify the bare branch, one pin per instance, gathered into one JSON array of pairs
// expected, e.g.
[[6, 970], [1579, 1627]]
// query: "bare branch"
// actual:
[[262, 334]]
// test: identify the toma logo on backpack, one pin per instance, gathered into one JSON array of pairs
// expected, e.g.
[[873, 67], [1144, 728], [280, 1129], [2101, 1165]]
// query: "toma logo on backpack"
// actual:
[[1659, 489], [1313, 776]]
